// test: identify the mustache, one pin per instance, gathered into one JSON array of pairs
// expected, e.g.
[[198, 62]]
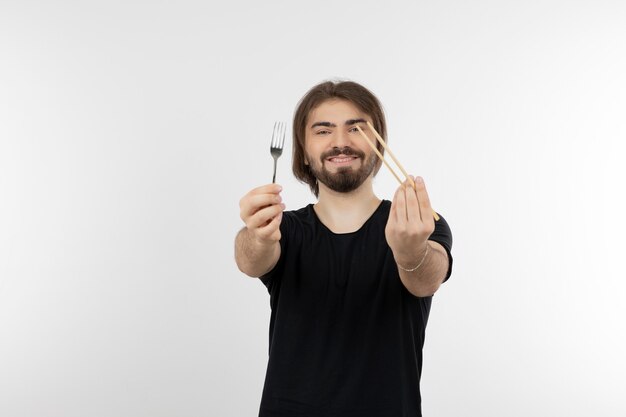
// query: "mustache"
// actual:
[[346, 150]]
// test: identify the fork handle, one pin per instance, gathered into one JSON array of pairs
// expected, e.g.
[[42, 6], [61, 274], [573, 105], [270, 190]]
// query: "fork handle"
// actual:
[[274, 176]]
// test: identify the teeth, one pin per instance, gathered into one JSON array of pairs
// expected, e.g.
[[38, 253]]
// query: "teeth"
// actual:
[[339, 160]]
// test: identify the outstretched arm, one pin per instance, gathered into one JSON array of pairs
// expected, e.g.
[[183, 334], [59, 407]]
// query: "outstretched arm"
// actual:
[[257, 247], [422, 264]]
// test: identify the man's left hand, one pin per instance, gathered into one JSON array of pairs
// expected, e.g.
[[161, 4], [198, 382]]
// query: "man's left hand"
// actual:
[[410, 223]]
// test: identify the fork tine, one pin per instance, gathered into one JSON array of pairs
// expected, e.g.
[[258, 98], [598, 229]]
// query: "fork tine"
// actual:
[[278, 136], [282, 136], [274, 135]]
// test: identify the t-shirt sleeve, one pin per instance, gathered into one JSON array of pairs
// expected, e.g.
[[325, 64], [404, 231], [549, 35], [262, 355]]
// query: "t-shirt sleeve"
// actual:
[[286, 226], [443, 236]]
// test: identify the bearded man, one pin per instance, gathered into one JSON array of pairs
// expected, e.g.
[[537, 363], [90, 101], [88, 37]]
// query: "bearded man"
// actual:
[[351, 277]]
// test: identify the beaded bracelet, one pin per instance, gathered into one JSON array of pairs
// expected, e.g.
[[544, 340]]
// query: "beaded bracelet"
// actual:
[[418, 265]]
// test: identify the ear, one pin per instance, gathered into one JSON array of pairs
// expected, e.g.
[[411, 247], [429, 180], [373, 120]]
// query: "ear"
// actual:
[[306, 162]]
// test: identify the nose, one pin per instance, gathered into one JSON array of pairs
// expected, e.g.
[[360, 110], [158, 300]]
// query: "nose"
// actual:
[[341, 139]]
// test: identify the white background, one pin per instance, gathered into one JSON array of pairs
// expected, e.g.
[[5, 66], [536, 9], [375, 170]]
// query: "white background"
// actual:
[[129, 130]]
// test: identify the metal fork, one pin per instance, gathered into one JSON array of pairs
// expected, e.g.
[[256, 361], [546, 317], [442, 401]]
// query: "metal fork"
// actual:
[[276, 146]]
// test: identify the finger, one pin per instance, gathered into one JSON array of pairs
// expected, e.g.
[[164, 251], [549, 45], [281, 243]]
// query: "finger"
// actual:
[[264, 189], [264, 216], [253, 203], [412, 204], [272, 230], [393, 213], [424, 201], [267, 189], [401, 205], [258, 198]]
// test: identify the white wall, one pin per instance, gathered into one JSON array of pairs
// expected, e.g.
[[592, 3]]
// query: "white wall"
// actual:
[[129, 130]]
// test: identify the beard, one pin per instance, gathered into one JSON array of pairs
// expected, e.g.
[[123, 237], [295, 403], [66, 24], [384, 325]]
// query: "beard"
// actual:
[[346, 179]]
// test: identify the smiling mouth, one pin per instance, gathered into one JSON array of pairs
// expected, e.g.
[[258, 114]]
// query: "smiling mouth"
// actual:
[[342, 159]]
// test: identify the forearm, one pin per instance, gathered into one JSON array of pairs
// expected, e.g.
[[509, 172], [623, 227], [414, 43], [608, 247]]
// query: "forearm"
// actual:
[[255, 258], [426, 279]]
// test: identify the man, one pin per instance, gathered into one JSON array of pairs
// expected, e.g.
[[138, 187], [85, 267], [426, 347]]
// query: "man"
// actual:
[[351, 277]]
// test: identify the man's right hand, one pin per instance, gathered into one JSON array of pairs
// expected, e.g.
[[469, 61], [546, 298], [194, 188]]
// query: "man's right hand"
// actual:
[[261, 210]]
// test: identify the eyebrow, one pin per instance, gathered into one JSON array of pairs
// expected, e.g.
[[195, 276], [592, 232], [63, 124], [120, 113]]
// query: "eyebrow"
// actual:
[[354, 121], [349, 122]]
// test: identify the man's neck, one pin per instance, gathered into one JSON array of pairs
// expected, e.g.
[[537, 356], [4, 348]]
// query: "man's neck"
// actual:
[[346, 212]]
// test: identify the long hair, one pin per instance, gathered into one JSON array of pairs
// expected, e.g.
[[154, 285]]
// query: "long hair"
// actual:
[[350, 91]]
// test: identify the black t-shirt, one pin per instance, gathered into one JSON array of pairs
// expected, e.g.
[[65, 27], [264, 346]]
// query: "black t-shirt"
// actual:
[[346, 336]]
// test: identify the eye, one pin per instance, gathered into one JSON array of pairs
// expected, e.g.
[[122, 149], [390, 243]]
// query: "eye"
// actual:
[[353, 129], [322, 132]]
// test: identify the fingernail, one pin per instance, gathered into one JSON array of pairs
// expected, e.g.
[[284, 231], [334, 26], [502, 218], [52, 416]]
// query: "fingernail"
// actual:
[[419, 180]]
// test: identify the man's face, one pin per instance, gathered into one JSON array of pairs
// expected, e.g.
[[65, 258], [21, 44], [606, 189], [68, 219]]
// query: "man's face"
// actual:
[[335, 150]]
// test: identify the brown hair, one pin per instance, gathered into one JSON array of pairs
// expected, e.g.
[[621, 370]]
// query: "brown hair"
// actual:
[[353, 92]]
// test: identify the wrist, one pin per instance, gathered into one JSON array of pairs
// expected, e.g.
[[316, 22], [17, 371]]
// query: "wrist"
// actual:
[[258, 241], [413, 263]]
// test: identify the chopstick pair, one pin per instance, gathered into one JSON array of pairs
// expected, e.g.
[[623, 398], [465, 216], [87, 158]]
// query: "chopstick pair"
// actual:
[[382, 158]]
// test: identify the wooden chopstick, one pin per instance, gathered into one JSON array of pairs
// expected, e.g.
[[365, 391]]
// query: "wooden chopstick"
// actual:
[[382, 158], [375, 149], [384, 145]]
